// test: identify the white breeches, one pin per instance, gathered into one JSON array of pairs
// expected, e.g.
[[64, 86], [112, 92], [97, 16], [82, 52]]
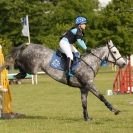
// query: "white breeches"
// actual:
[[67, 48]]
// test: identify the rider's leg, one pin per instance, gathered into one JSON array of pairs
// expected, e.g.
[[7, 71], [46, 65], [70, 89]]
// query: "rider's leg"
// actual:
[[67, 48], [68, 69]]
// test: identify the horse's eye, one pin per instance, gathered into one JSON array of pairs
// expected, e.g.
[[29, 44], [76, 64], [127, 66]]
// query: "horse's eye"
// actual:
[[114, 52]]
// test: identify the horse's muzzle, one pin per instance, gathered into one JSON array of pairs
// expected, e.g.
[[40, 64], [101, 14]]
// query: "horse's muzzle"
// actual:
[[123, 65]]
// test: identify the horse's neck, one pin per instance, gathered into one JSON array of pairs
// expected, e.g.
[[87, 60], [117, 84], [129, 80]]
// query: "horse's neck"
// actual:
[[100, 52], [95, 57]]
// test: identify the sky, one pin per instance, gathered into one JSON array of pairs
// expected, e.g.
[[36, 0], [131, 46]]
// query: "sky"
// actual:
[[103, 3]]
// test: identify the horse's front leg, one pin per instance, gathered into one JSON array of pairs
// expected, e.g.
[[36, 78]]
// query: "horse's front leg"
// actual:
[[102, 98], [84, 94]]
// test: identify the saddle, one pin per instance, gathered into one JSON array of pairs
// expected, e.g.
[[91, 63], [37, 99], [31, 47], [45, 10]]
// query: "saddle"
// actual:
[[59, 61]]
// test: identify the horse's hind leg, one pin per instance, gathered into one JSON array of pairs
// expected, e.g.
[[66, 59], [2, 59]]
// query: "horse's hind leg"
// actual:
[[84, 94], [20, 75]]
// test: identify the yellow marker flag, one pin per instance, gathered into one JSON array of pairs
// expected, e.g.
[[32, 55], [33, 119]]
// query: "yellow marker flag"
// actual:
[[5, 84]]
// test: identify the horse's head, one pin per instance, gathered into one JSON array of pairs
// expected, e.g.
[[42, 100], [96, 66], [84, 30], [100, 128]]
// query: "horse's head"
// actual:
[[114, 56]]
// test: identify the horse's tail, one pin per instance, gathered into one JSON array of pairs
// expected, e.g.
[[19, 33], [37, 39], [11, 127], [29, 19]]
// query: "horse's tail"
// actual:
[[9, 61], [14, 55], [16, 51]]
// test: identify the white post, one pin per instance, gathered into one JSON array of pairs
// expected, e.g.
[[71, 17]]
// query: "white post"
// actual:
[[32, 79], [36, 81], [29, 38], [28, 29]]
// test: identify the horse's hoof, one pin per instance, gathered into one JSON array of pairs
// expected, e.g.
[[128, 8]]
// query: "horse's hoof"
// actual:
[[117, 112], [12, 115], [88, 119]]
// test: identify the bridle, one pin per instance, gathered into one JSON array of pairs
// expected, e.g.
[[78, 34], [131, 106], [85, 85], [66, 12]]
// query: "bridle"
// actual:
[[106, 59], [110, 53]]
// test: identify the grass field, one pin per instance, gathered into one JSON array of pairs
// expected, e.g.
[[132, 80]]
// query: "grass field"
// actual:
[[51, 107]]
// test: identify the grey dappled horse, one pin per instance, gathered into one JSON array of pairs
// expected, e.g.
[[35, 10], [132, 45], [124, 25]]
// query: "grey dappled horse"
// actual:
[[35, 57]]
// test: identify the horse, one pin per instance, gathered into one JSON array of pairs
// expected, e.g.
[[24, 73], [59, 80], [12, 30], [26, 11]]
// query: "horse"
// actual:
[[33, 57]]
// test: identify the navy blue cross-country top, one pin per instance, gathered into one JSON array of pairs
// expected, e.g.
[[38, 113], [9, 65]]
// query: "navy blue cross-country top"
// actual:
[[73, 35]]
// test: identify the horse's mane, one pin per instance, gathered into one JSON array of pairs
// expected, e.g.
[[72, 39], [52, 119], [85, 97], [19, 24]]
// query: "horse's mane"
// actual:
[[90, 50]]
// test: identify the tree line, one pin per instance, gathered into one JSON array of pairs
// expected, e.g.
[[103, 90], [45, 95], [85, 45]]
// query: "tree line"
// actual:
[[49, 19]]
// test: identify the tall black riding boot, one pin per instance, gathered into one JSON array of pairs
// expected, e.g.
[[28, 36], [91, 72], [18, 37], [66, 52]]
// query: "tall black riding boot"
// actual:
[[68, 69]]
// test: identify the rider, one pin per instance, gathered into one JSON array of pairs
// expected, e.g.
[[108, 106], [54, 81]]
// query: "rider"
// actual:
[[75, 34]]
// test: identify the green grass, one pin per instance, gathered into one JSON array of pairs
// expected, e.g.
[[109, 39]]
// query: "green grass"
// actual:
[[51, 107]]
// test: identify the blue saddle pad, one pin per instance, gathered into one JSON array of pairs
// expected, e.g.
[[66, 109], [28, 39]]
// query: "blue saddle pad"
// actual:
[[60, 62]]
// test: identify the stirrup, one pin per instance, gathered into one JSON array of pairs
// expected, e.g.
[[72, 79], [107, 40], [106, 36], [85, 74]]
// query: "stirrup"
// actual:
[[69, 74]]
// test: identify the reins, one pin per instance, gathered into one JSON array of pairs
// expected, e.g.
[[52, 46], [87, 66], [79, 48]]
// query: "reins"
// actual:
[[89, 66], [110, 52]]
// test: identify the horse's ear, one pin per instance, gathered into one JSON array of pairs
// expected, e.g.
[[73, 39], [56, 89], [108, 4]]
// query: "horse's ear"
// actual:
[[110, 43]]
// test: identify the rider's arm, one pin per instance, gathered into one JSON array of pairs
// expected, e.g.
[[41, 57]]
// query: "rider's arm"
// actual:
[[82, 44]]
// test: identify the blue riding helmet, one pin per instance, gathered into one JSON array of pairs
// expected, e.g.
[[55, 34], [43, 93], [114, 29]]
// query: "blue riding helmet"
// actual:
[[80, 20]]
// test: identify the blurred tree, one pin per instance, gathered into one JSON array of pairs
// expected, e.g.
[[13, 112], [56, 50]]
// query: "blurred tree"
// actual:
[[49, 19], [11, 13], [6, 45], [115, 22], [64, 13]]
